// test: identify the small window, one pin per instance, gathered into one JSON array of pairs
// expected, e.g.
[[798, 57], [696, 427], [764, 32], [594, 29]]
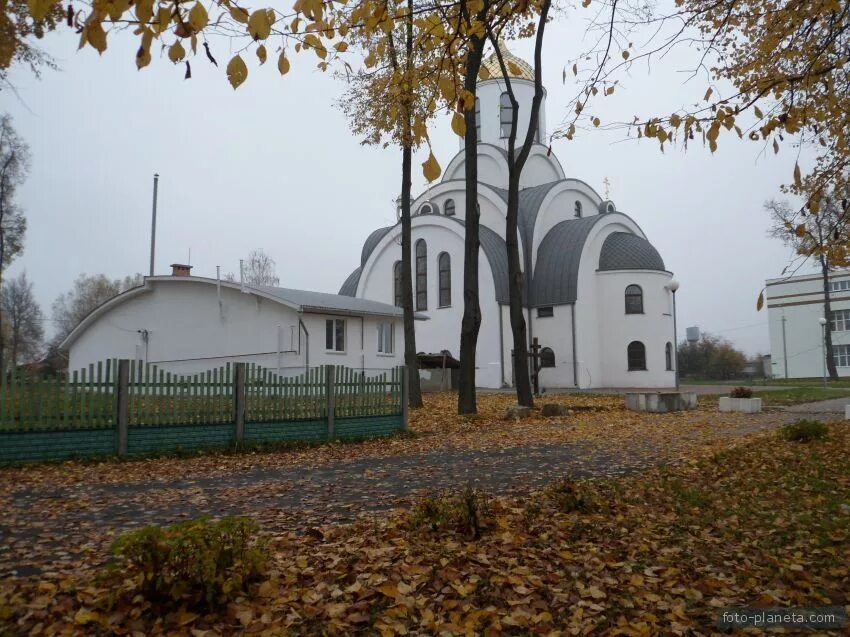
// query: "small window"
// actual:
[[477, 120], [397, 284], [505, 114], [578, 210], [385, 338], [634, 300], [547, 357], [545, 312], [428, 208], [840, 321], [637, 356], [421, 275], [444, 264], [449, 208], [335, 335], [668, 356], [841, 355]]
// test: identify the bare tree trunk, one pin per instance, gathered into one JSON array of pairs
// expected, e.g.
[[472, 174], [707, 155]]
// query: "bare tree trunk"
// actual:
[[410, 359], [827, 314], [2, 265], [471, 322]]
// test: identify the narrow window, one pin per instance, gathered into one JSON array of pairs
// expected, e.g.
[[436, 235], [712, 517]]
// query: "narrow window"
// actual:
[[634, 300], [505, 114], [841, 355], [421, 275], [840, 321], [578, 210], [547, 357], [445, 269], [397, 284], [449, 207], [477, 119], [385, 338], [545, 312], [335, 335], [637, 356], [668, 356]]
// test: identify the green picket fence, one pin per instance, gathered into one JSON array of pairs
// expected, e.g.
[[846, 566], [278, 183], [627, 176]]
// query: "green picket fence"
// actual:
[[367, 392], [270, 397], [83, 398]]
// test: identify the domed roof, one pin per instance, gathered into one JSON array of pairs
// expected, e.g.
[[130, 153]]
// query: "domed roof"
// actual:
[[517, 67], [626, 251]]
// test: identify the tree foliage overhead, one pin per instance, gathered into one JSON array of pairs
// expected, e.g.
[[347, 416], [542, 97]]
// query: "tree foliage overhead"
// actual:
[[23, 320], [14, 168], [17, 30]]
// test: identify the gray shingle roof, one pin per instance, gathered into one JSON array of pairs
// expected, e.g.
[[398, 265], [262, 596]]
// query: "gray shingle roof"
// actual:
[[529, 207], [372, 242], [307, 300], [626, 251], [349, 286]]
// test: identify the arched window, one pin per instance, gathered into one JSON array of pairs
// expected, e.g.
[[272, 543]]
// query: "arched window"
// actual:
[[397, 283], [634, 300], [444, 263], [477, 119], [421, 275], [505, 114], [449, 208], [428, 208], [547, 357], [578, 209], [637, 356], [668, 356]]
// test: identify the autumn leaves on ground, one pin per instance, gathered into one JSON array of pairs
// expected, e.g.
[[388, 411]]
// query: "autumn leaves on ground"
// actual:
[[714, 511]]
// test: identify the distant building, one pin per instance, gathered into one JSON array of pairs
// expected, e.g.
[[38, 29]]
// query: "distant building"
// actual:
[[795, 306]]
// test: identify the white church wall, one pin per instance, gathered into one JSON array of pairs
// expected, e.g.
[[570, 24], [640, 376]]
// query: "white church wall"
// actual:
[[559, 205], [492, 167], [653, 328], [539, 169], [555, 332], [489, 93]]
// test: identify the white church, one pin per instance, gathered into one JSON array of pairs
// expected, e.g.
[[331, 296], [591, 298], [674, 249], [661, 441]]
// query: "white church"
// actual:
[[598, 297]]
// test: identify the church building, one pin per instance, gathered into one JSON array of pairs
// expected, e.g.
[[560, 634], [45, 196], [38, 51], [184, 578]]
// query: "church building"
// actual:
[[598, 297]]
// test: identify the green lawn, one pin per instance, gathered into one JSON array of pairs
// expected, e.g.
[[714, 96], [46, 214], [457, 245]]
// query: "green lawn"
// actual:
[[798, 395], [773, 382]]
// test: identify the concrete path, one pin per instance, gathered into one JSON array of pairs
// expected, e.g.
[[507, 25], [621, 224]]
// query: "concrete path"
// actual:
[[832, 406]]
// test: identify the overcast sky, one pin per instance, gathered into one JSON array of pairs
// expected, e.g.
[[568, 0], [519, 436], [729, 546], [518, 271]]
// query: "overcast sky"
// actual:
[[274, 166]]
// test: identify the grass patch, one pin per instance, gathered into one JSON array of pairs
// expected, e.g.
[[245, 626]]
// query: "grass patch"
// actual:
[[804, 431], [799, 395]]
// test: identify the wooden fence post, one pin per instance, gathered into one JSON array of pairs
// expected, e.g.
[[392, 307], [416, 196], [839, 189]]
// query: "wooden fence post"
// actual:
[[330, 398], [123, 405], [405, 397], [239, 400]]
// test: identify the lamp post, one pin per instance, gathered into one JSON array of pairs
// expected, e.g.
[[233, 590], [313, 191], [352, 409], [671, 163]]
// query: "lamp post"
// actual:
[[673, 285], [823, 322]]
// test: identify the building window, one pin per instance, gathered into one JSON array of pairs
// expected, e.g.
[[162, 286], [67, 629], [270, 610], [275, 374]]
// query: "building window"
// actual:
[[421, 275], [634, 300], [840, 321], [449, 208], [397, 284], [545, 312], [385, 338], [578, 210], [505, 114], [444, 263], [428, 208], [839, 286], [335, 335], [637, 356], [477, 119], [841, 355], [668, 356], [547, 357]]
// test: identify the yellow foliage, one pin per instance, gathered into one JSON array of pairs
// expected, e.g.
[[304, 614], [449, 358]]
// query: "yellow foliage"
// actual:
[[176, 52], [260, 24], [198, 18], [458, 125], [237, 72], [431, 168], [283, 64]]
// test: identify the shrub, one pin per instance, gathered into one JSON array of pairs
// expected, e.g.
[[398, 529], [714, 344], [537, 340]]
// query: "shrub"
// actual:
[[804, 431], [569, 496], [199, 562], [741, 392], [464, 512]]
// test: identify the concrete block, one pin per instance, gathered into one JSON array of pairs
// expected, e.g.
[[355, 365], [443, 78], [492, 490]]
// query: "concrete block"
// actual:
[[517, 411], [741, 405]]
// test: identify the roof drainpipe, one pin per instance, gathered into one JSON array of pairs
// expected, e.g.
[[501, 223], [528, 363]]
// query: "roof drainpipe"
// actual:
[[218, 290], [575, 360], [301, 326]]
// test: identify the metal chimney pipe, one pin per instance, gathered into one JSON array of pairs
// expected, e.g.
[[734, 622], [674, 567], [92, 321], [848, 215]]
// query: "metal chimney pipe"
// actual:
[[153, 220]]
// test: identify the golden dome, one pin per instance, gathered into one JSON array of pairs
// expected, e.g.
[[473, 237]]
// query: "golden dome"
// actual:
[[517, 67]]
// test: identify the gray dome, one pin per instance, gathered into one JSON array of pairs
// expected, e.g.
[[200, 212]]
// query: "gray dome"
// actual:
[[626, 251]]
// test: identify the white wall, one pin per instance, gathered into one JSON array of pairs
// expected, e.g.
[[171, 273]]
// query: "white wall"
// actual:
[[555, 332], [489, 93], [188, 333]]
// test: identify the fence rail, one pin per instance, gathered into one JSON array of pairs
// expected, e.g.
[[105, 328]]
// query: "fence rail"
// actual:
[[139, 408]]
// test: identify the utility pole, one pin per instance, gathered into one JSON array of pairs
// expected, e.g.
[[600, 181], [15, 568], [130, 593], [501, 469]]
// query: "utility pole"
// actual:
[[784, 347], [153, 220]]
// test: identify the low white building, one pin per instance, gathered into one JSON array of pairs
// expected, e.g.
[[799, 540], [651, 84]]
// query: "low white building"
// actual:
[[187, 324], [795, 306], [597, 294]]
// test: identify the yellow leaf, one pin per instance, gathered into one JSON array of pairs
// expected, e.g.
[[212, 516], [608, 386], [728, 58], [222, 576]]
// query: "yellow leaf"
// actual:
[[626, 55], [800, 230], [609, 90], [144, 11], [459, 124], [341, 47], [198, 17], [163, 19], [176, 52], [283, 64], [261, 53], [708, 94], [259, 25], [301, 561], [675, 120], [484, 73], [84, 617], [40, 8], [431, 168], [596, 121], [758, 112], [798, 180], [185, 617], [96, 36], [237, 72], [239, 14], [760, 302]]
